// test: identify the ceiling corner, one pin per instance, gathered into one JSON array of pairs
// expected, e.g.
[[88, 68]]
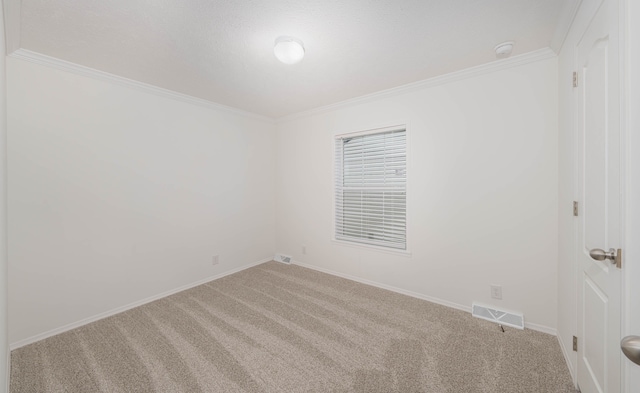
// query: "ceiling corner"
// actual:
[[12, 24], [565, 20]]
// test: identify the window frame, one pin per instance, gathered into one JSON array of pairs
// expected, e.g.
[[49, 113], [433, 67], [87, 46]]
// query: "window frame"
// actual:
[[367, 131]]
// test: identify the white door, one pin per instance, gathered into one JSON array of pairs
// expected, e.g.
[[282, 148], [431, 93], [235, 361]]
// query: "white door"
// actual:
[[599, 195]]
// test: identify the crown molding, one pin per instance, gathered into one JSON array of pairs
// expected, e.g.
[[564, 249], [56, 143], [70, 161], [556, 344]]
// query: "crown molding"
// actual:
[[38, 58], [565, 20], [515, 61], [11, 10]]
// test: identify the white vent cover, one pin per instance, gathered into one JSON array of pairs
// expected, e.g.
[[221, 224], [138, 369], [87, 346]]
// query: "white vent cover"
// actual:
[[506, 318], [283, 258]]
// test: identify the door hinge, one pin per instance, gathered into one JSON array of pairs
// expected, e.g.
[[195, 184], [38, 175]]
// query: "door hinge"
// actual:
[[575, 208], [575, 343], [575, 78]]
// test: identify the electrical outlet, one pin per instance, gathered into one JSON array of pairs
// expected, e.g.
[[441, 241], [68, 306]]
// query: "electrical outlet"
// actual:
[[215, 260], [304, 249], [496, 291]]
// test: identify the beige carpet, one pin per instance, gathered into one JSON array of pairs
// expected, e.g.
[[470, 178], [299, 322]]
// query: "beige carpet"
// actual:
[[280, 328]]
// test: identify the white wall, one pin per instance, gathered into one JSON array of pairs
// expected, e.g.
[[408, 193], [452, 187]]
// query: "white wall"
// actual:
[[4, 348], [483, 190], [116, 195]]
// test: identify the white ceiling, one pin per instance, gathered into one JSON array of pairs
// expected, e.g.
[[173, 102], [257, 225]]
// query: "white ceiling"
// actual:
[[222, 50]]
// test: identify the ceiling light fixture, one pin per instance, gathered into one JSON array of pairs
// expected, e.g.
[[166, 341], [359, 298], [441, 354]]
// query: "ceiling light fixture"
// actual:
[[288, 50], [504, 50]]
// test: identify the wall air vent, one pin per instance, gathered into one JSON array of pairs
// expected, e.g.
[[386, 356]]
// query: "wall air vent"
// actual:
[[283, 258], [506, 318]]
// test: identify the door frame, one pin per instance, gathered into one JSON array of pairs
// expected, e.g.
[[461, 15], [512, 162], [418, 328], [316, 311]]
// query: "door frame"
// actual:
[[630, 53]]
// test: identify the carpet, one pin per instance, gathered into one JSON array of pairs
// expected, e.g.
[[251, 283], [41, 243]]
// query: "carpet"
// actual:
[[285, 328]]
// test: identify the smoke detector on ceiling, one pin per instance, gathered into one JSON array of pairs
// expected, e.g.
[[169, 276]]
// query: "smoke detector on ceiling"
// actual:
[[504, 50]]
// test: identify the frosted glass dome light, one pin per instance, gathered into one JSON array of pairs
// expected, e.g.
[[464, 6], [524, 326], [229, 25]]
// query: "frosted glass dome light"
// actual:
[[288, 50]]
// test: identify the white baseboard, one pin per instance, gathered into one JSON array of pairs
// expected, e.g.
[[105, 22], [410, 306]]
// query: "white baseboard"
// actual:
[[62, 329], [567, 359], [387, 287], [541, 328], [442, 302], [118, 310]]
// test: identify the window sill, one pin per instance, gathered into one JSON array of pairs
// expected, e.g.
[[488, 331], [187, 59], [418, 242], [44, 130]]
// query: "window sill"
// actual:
[[403, 253]]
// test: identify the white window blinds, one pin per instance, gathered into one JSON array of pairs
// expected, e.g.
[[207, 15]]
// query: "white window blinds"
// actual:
[[371, 189]]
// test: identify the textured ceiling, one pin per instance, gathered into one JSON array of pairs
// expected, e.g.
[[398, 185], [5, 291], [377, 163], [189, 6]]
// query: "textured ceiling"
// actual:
[[222, 50]]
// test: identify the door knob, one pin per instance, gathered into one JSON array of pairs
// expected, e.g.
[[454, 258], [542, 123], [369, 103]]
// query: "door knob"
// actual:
[[615, 256], [631, 348]]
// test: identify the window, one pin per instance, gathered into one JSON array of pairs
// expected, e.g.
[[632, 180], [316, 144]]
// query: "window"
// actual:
[[371, 188]]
